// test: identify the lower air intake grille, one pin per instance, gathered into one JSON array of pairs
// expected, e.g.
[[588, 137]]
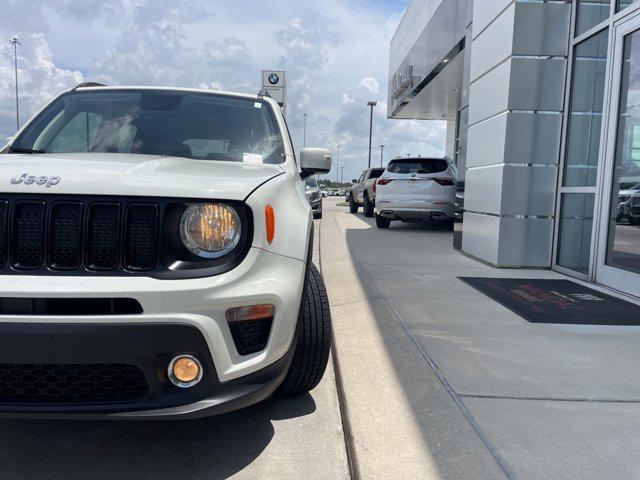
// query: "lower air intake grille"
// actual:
[[71, 384], [251, 336]]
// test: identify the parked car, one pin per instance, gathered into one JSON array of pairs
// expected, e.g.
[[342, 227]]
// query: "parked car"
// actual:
[[624, 201], [634, 209], [159, 257], [362, 192], [416, 189], [458, 211], [314, 196]]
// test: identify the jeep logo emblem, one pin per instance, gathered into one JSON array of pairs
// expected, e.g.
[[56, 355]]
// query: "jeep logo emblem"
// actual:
[[48, 182]]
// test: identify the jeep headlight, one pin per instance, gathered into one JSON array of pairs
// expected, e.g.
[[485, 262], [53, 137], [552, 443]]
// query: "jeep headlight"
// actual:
[[210, 230]]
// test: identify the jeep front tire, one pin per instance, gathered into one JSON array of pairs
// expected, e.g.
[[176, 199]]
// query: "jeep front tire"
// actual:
[[314, 339]]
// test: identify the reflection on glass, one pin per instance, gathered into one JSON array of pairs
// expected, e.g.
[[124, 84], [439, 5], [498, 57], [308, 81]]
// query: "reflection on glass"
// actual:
[[624, 4], [623, 246], [590, 13], [585, 117], [574, 241]]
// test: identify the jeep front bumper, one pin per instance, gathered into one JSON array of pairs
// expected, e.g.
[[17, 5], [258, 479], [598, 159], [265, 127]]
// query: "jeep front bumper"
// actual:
[[179, 316]]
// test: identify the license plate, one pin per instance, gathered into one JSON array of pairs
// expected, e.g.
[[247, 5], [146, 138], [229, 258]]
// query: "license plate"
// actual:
[[413, 183]]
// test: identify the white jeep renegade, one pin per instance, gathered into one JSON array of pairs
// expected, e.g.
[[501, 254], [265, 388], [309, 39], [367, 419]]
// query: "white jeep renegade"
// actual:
[[155, 257]]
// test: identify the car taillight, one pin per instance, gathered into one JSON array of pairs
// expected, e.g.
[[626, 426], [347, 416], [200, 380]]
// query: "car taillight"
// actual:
[[445, 182], [384, 181]]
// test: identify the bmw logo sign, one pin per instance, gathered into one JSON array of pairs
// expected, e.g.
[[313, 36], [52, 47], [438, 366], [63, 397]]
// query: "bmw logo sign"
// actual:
[[274, 79]]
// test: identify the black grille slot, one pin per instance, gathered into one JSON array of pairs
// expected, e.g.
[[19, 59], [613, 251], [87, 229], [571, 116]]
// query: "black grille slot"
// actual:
[[141, 237], [4, 209], [28, 235], [251, 336], [65, 240], [103, 228], [71, 384], [69, 306]]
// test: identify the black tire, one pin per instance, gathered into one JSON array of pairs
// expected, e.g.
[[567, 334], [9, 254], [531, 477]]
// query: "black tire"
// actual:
[[353, 206], [368, 206], [317, 215], [450, 224], [382, 222], [633, 221], [314, 340]]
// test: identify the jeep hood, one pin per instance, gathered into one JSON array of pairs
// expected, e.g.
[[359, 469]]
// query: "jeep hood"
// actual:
[[134, 175]]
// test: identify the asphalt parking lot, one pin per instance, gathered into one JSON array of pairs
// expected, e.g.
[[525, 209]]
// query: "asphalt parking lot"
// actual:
[[434, 381]]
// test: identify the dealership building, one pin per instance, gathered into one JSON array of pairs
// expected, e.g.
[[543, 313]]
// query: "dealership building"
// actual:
[[542, 104]]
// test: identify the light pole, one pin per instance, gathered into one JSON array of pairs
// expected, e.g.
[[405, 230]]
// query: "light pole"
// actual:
[[338, 165], [304, 131], [15, 42], [341, 175], [371, 104], [381, 154]]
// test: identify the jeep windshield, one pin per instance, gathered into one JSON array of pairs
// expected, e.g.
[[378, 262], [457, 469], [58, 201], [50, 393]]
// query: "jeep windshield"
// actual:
[[203, 126]]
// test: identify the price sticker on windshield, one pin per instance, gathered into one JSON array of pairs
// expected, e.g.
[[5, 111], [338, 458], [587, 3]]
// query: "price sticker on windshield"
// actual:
[[252, 158]]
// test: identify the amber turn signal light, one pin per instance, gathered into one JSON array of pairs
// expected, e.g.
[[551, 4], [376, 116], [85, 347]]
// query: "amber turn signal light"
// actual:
[[270, 221], [255, 312]]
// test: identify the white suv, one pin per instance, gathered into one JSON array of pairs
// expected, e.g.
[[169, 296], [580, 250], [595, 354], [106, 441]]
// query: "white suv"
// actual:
[[155, 257], [415, 189]]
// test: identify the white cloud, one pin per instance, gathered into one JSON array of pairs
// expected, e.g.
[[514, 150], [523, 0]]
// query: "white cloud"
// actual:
[[370, 84], [335, 54], [39, 80]]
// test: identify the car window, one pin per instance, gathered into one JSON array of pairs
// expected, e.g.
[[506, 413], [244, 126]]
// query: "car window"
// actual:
[[376, 172], [76, 135], [158, 122], [362, 176], [418, 165], [311, 182]]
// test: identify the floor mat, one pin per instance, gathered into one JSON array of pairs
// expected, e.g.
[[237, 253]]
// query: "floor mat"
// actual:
[[557, 301]]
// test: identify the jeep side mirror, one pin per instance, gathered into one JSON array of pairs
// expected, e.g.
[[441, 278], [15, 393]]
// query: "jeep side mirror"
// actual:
[[353, 180], [314, 160]]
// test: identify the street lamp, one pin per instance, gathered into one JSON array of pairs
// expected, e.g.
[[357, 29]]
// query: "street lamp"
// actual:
[[304, 130], [371, 104], [341, 175], [15, 42], [381, 154], [338, 165]]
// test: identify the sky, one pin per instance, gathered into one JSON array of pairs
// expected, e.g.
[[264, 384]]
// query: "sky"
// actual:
[[335, 53]]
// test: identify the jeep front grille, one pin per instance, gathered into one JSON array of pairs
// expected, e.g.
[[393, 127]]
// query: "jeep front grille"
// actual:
[[106, 235], [67, 235]]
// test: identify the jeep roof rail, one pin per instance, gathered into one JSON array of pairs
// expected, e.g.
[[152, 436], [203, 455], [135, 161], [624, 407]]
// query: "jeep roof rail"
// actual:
[[88, 84]]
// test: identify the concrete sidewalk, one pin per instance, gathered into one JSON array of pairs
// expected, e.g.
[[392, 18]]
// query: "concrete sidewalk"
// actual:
[[441, 382]]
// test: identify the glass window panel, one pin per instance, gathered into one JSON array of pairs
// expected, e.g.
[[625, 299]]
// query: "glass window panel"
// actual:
[[622, 4], [585, 111], [590, 13], [623, 245], [574, 236]]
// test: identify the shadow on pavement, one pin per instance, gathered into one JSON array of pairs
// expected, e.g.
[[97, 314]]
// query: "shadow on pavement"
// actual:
[[212, 448]]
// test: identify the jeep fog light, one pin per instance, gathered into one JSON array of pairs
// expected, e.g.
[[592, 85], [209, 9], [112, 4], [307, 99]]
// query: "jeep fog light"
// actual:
[[210, 230], [185, 371]]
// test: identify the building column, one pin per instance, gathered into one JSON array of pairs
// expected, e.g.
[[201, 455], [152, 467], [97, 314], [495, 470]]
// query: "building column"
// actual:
[[516, 96]]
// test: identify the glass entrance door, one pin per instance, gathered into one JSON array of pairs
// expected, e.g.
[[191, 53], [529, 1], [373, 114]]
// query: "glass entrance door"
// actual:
[[619, 242]]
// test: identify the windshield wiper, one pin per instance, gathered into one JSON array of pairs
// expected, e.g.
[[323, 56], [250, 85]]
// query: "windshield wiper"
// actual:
[[25, 150]]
